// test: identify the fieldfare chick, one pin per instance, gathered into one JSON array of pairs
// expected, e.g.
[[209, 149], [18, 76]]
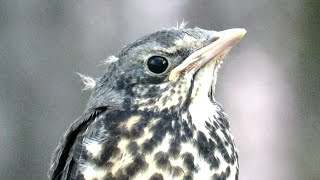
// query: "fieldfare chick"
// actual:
[[153, 114]]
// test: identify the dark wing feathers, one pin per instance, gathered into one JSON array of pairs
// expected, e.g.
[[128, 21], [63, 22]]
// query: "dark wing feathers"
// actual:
[[63, 154]]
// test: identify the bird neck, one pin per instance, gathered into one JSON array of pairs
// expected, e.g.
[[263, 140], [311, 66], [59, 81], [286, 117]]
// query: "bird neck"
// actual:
[[211, 138]]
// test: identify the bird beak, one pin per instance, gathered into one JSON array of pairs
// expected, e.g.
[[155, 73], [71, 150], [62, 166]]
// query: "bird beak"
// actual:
[[212, 52]]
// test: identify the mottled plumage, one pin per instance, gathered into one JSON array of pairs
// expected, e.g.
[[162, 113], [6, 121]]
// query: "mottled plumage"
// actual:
[[153, 114]]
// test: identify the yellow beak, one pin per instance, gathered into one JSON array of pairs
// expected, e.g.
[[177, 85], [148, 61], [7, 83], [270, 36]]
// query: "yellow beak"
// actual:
[[212, 52]]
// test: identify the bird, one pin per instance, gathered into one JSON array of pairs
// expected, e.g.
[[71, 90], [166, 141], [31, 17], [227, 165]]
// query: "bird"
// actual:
[[153, 114]]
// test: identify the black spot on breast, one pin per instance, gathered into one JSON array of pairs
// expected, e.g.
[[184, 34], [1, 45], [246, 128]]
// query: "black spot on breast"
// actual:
[[188, 177], [110, 148], [227, 136], [164, 100], [223, 119], [123, 131], [189, 117], [228, 171], [187, 130], [224, 151], [226, 157], [137, 129], [202, 144], [183, 138], [226, 143], [206, 149], [223, 175], [159, 131], [120, 175], [108, 165], [213, 133], [175, 147], [105, 164], [150, 102], [139, 163], [212, 159], [177, 171], [215, 124], [159, 134], [149, 145], [162, 160], [212, 145], [224, 124], [188, 161], [208, 125], [215, 162], [132, 147], [164, 111], [221, 145], [156, 176]]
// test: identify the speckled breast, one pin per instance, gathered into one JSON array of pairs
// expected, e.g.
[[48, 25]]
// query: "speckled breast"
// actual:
[[191, 144]]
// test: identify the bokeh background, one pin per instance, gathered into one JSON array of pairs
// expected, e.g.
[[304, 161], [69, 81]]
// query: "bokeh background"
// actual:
[[269, 84]]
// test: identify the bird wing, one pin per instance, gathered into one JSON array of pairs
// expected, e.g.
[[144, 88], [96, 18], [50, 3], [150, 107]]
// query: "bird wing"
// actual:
[[63, 155]]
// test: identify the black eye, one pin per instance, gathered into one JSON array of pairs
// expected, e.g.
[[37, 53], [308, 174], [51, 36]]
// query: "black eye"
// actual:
[[157, 64]]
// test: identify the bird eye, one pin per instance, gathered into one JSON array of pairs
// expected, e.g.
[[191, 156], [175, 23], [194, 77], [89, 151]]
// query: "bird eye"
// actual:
[[157, 64]]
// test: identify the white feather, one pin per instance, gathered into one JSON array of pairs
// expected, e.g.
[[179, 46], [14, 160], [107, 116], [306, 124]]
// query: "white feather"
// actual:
[[110, 59], [88, 81], [182, 25]]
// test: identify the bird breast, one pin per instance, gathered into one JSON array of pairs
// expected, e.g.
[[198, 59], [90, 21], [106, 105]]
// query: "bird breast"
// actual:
[[190, 144]]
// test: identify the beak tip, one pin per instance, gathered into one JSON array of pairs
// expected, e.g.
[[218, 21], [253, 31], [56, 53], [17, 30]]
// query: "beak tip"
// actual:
[[235, 32], [242, 31]]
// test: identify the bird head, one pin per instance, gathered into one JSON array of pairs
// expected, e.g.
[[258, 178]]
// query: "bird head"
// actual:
[[164, 70]]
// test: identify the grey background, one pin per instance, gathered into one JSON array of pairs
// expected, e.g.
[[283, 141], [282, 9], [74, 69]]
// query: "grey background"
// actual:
[[269, 84]]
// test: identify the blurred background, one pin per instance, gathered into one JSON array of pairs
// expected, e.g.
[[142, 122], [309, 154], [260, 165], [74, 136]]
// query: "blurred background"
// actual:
[[269, 84]]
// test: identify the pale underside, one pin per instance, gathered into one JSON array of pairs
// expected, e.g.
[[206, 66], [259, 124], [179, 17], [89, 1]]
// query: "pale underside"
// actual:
[[201, 110]]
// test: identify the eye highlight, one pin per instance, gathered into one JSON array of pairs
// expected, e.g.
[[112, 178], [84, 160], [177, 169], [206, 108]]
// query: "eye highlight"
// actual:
[[157, 64]]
